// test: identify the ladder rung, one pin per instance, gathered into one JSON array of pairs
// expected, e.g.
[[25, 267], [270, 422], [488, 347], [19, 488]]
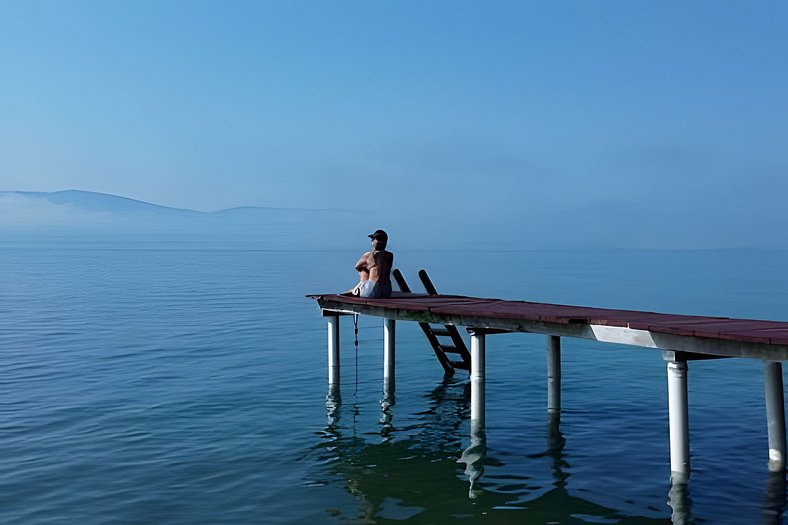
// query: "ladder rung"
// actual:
[[449, 349], [441, 331], [459, 364]]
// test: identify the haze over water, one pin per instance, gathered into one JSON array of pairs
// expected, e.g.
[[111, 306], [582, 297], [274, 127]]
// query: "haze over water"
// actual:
[[161, 365], [189, 386]]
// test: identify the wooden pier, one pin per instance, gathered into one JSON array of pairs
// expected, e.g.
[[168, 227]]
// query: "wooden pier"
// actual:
[[680, 338]]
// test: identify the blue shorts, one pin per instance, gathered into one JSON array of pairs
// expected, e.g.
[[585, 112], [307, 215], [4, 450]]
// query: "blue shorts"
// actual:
[[372, 290]]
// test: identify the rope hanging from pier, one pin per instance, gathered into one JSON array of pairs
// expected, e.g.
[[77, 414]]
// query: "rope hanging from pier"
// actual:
[[355, 333]]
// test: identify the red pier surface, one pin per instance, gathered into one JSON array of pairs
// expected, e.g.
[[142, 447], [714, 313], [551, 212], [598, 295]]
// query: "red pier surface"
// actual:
[[458, 306]]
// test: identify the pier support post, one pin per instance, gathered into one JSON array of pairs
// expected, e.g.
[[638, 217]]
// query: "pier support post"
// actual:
[[389, 332], [553, 373], [775, 414], [477, 380], [679, 421], [333, 349]]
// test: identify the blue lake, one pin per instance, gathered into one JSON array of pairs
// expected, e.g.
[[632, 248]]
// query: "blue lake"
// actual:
[[189, 386]]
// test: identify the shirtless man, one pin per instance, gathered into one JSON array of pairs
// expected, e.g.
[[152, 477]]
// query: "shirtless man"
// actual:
[[374, 269]]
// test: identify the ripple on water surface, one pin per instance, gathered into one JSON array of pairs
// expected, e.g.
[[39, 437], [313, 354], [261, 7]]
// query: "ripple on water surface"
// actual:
[[189, 387]]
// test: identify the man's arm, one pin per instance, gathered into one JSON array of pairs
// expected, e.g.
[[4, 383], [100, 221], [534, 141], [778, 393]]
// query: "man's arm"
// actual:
[[361, 265]]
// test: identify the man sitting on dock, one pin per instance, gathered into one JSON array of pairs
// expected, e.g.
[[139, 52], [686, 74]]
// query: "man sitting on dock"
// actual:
[[374, 269]]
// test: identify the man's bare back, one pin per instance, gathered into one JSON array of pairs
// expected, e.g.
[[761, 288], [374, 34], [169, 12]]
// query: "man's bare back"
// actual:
[[375, 266]]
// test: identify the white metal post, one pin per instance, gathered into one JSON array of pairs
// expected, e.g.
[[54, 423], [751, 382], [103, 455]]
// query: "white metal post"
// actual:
[[553, 373], [389, 331], [333, 350], [679, 421], [775, 414], [477, 380]]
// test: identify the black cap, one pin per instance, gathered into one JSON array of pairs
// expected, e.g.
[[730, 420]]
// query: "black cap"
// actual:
[[379, 234]]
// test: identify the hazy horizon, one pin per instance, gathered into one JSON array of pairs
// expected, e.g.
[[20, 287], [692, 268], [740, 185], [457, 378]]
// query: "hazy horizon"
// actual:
[[75, 216], [572, 124]]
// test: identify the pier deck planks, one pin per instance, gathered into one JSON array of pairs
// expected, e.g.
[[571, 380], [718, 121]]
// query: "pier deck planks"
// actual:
[[722, 328]]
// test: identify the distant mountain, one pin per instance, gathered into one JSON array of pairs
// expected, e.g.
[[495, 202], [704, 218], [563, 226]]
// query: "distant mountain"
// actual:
[[106, 202], [97, 218], [90, 217], [100, 202]]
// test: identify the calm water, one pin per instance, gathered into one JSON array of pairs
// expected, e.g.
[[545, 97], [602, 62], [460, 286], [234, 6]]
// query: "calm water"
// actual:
[[190, 387]]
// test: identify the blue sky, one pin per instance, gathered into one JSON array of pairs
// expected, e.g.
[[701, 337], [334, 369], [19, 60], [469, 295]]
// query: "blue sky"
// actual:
[[592, 123]]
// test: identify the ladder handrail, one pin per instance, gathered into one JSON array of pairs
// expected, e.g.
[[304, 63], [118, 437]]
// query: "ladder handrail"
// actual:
[[459, 344]]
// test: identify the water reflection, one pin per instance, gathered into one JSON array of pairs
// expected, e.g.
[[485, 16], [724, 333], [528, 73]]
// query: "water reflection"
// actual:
[[474, 456], [333, 401], [773, 503], [413, 474], [387, 415], [774, 498], [555, 448], [679, 501], [399, 478], [557, 505]]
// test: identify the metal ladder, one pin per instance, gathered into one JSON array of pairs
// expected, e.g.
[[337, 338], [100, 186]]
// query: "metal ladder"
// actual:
[[437, 334]]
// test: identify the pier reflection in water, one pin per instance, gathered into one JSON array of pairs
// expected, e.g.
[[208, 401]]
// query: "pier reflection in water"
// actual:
[[417, 474]]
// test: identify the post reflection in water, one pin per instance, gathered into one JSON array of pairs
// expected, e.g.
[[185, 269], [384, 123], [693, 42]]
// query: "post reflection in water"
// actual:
[[473, 457], [386, 414], [556, 504], [413, 470], [555, 448], [773, 502], [333, 400], [680, 502], [400, 475], [774, 498]]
